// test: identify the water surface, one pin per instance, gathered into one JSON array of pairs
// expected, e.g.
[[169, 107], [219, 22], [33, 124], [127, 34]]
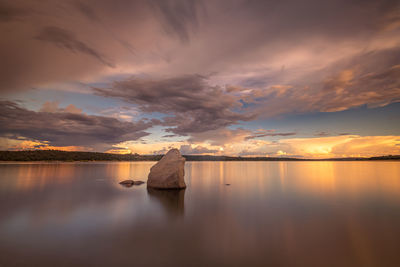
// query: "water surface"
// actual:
[[272, 213]]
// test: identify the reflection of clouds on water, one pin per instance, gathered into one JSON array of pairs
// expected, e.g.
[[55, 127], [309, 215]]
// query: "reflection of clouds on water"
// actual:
[[172, 201]]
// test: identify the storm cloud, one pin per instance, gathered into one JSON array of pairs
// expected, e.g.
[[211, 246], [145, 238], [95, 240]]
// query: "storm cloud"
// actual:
[[195, 105], [65, 128]]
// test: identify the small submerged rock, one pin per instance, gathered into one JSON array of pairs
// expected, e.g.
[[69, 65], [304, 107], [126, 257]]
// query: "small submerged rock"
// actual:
[[127, 183], [138, 182], [130, 183]]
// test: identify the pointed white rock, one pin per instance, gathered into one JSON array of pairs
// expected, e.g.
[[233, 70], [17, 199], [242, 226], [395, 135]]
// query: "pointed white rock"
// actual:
[[169, 172]]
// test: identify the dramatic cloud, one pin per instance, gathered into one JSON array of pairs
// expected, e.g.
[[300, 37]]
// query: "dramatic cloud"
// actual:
[[277, 40], [371, 79], [66, 129], [199, 107], [195, 105]]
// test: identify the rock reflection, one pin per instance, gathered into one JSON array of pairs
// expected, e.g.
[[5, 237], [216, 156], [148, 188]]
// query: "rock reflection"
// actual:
[[172, 200]]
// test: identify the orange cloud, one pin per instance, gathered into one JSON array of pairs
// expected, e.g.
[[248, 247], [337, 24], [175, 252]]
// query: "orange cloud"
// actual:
[[119, 151], [12, 144]]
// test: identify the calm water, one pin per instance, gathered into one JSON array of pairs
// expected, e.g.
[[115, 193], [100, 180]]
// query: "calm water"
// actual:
[[272, 213]]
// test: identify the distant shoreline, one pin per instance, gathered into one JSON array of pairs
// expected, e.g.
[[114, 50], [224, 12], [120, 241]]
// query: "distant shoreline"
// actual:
[[78, 156], [122, 161]]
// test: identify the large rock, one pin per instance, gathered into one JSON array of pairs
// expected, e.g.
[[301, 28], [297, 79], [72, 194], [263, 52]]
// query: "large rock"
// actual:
[[169, 172]]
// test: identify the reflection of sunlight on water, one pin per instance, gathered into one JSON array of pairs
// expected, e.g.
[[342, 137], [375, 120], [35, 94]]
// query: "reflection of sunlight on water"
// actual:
[[221, 172], [283, 174], [320, 178], [37, 176], [353, 178], [130, 170], [313, 177], [120, 171]]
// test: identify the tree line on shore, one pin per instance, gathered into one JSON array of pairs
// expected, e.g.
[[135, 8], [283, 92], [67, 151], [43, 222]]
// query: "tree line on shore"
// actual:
[[57, 155]]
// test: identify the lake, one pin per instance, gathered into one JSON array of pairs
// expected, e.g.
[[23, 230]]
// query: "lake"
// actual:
[[321, 213]]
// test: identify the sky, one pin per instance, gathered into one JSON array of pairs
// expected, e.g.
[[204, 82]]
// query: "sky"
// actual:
[[307, 79]]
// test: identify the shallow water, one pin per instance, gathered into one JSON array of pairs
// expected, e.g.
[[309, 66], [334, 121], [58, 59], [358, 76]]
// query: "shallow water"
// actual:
[[272, 213]]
